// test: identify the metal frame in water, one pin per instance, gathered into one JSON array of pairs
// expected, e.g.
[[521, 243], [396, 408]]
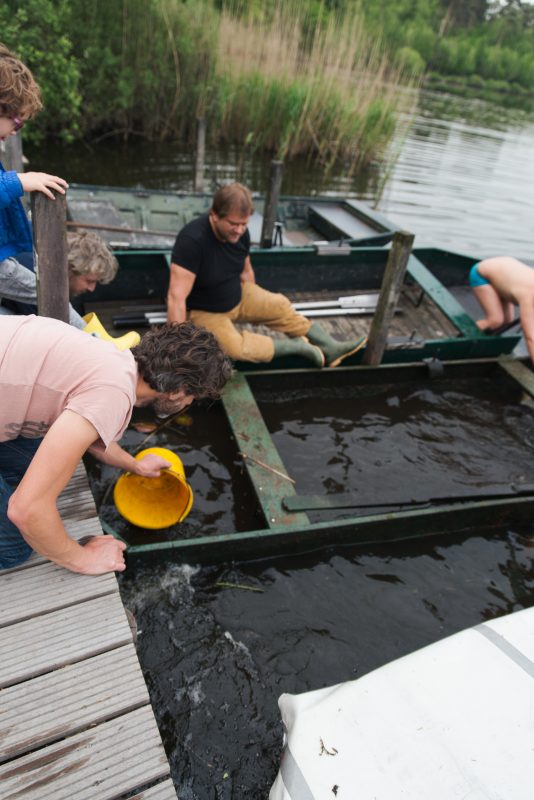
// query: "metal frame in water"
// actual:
[[292, 531]]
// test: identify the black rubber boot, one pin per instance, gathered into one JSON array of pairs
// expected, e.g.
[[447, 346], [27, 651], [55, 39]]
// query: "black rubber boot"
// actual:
[[299, 347], [335, 352]]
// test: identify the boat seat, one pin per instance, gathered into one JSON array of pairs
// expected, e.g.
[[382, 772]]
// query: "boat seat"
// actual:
[[335, 217]]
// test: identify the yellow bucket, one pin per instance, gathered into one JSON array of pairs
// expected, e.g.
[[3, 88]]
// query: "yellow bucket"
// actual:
[[94, 327], [155, 502]]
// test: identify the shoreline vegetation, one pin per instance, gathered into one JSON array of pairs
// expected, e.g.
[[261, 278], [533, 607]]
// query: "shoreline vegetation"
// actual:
[[267, 77], [324, 80]]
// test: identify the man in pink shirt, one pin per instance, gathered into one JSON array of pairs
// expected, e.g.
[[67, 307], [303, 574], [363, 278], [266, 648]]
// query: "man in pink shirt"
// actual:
[[63, 392]]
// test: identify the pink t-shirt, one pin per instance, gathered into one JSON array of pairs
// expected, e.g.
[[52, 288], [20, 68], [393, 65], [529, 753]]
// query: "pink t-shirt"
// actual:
[[47, 367]]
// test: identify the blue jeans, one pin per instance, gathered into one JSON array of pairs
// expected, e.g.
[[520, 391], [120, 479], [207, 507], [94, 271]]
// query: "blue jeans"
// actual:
[[15, 457]]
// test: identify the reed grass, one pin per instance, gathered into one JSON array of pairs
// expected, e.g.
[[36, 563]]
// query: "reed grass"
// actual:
[[268, 79], [329, 95]]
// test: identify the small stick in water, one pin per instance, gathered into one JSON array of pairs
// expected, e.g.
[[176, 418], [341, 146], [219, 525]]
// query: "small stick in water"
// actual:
[[266, 466]]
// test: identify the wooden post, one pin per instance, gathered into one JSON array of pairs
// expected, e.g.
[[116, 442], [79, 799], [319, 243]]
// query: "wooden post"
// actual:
[[12, 153], [389, 294], [49, 218], [201, 153], [271, 204]]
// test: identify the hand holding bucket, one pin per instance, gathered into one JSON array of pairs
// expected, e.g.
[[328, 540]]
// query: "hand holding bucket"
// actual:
[[158, 502]]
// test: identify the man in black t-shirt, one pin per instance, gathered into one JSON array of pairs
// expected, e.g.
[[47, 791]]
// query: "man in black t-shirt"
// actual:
[[212, 283]]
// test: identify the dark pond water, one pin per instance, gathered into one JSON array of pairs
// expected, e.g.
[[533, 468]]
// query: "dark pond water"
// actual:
[[217, 654]]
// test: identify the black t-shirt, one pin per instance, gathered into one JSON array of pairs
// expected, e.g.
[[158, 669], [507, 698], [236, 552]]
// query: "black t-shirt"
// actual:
[[217, 265]]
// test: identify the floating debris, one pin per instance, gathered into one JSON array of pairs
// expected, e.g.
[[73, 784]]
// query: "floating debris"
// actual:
[[226, 585], [184, 420]]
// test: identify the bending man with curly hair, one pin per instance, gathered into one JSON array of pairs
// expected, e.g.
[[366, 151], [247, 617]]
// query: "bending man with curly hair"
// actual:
[[63, 393]]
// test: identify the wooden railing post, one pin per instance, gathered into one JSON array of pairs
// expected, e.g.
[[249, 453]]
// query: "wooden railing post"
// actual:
[[49, 222], [271, 204], [12, 153], [201, 154], [389, 295]]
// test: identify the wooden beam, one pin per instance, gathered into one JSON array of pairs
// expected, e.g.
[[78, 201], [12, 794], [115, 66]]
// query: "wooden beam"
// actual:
[[271, 204], [49, 219], [389, 295], [520, 373], [260, 457], [12, 153], [201, 154]]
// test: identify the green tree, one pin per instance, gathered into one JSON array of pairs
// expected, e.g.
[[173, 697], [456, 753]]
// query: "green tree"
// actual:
[[38, 32]]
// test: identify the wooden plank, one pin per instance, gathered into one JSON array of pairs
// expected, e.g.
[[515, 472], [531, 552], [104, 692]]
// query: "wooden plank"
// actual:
[[48, 587], [389, 297], [103, 762], [163, 791], [520, 373], [62, 637], [49, 219], [253, 440], [43, 710]]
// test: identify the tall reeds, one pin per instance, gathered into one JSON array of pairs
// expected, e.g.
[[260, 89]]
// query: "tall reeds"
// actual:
[[328, 93], [279, 79]]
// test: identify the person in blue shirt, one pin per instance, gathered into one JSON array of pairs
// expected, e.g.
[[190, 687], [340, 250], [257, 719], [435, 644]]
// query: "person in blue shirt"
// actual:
[[20, 100]]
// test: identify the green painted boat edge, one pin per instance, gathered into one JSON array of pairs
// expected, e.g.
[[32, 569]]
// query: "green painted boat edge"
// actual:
[[253, 438], [443, 299], [374, 529]]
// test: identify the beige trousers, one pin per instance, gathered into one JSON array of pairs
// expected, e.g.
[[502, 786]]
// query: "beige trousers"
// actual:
[[257, 306]]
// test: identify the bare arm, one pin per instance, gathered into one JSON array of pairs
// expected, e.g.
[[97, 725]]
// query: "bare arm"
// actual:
[[32, 506], [248, 272], [149, 466], [526, 315], [180, 285]]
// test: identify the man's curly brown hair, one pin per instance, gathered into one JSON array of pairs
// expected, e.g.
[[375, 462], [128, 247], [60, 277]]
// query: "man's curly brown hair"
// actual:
[[180, 355], [19, 94]]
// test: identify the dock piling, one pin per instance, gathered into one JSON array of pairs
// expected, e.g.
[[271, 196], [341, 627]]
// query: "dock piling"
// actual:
[[201, 154], [12, 153], [271, 203], [49, 220], [399, 254]]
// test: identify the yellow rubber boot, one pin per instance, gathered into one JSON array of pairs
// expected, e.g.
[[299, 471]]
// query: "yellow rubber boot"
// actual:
[[95, 328]]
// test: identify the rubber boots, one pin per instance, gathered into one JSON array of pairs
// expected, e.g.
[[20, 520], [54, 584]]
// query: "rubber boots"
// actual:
[[335, 352], [94, 327], [299, 347]]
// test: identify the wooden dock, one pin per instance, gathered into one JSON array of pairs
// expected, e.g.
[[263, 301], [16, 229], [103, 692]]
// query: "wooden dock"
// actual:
[[75, 715]]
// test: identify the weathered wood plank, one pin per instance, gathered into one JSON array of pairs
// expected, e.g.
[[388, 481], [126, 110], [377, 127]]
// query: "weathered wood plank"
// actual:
[[520, 373], [43, 710], [254, 441], [49, 219], [103, 762], [389, 296], [45, 643], [48, 587], [163, 791]]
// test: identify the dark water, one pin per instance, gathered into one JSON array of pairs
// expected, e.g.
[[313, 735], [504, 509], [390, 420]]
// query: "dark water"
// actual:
[[382, 443], [215, 657]]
